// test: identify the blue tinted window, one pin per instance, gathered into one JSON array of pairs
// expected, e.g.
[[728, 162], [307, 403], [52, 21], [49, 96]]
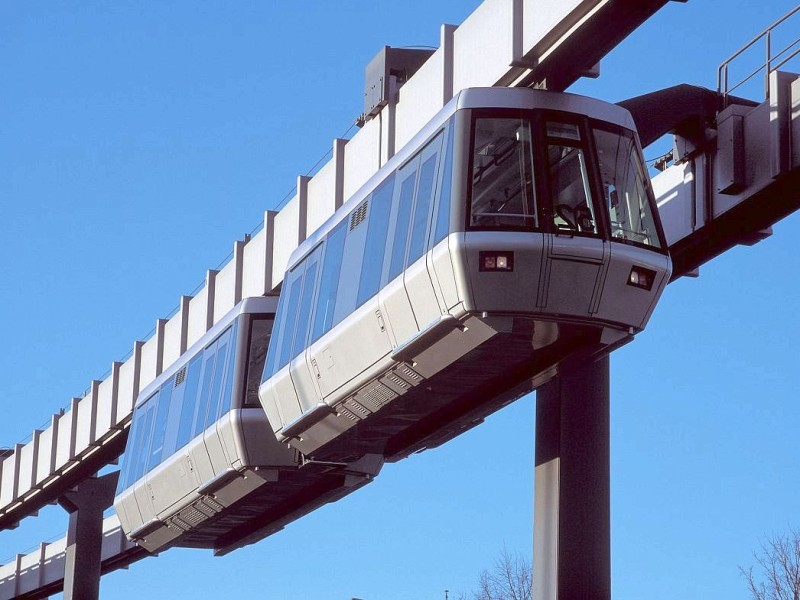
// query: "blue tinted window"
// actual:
[[136, 452], [379, 208], [347, 290], [223, 376], [173, 418], [272, 349], [401, 225], [128, 458], [143, 442], [216, 387], [134, 443], [422, 208], [189, 402], [443, 210], [227, 389], [285, 342], [204, 396], [304, 313], [329, 281], [160, 425]]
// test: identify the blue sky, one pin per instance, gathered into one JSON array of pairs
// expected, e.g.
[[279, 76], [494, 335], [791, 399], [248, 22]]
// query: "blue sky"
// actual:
[[138, 142]]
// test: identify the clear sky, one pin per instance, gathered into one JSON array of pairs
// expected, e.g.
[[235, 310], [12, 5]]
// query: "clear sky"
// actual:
[[138, 141]]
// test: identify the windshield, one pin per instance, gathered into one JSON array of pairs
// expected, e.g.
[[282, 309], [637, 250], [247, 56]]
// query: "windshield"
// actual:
[[502, 174], [625, 189], [572, 208]]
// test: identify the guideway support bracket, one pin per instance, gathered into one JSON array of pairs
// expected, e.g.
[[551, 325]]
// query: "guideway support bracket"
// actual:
[[572, 516], [85, 505]]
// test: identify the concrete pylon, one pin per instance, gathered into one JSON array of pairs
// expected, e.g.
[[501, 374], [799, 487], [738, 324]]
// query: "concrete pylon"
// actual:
[[572, 515], [86, 504]]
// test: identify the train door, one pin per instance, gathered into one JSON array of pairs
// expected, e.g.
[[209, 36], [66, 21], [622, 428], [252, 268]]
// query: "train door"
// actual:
[[124, 500], [409, 298], [178, 478], [394, 299], [358, 337], [440, 262], [305, 384], [187, 478], [142, 452], [219, 402], [196, 449], [161, 496], [576, 255], [324, 305], [282, 391], [230, 423], [134, 452], [418, 275]]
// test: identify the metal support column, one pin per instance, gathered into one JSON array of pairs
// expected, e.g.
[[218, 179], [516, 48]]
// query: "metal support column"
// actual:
[[86, 504], [572, 516]]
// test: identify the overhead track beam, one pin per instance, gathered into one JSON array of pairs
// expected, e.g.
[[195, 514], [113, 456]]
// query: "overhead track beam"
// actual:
[[575, 47]]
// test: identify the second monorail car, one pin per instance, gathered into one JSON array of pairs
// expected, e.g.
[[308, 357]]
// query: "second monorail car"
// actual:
[[202, 467], [517, 230]]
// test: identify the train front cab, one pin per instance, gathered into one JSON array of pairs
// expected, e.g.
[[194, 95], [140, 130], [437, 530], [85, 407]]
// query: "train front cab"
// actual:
[[517, 230], [560, 220]]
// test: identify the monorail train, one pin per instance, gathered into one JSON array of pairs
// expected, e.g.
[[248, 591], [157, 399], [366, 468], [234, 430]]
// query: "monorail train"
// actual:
[[202, 468], [516, 231]]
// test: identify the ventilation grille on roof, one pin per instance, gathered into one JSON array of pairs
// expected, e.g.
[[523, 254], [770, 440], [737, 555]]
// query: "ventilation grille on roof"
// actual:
[[180, 377], [358, 215]]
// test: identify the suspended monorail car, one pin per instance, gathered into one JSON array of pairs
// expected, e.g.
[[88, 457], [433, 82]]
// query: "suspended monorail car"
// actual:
[[515, 232], [202, 467]]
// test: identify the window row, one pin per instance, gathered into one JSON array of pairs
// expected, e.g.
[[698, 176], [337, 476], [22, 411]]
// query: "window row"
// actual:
[[504, 186], [406, 214]]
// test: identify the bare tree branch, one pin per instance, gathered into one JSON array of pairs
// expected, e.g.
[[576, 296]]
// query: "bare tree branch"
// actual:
[[778, 575], [510, 579]]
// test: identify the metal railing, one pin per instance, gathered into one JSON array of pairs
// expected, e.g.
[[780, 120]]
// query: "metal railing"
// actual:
[[771, 63]]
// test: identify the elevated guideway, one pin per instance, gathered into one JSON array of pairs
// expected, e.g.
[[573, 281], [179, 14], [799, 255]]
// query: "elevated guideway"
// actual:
[[545, 48], [732, 186], [734, 169], [40, 573], [735, 163]]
